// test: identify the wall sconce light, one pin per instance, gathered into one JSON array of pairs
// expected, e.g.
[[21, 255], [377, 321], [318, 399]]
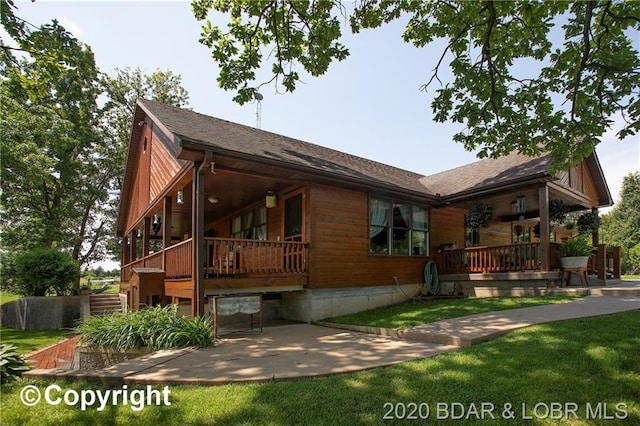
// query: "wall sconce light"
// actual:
[[139, 233], [180, 198], [213, 167], [156, 224], [271, 200], [213, 199]]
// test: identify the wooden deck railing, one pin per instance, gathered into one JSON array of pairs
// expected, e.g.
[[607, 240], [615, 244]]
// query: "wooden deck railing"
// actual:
[[513, 257], [227, 257], [605, 262]]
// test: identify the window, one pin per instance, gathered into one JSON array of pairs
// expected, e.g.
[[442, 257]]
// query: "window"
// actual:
[[398, 229], [293, 218], [251, 225]]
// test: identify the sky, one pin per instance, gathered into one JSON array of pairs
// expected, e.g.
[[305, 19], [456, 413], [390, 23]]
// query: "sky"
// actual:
[[369, 105]]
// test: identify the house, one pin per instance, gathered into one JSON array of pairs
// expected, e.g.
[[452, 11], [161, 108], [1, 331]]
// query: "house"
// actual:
[[211, 208]]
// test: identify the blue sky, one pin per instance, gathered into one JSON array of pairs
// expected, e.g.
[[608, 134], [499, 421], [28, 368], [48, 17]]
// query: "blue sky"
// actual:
[[369, 105]]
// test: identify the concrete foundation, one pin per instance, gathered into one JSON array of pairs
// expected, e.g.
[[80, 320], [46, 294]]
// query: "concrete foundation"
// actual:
[[318, 304]]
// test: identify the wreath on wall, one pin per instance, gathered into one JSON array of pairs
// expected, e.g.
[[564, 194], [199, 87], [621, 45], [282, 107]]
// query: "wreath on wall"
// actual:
[[480, 216]]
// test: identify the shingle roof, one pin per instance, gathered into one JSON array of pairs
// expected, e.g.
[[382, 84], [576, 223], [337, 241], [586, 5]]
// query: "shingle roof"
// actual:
[[488, 173], [233, 137]]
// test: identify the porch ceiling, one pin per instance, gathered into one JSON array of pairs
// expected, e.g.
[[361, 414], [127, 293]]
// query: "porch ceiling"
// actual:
[[503, 203], [234, 191]]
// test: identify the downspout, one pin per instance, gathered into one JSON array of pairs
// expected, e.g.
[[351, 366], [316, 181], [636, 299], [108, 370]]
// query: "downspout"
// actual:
[[197, 306]]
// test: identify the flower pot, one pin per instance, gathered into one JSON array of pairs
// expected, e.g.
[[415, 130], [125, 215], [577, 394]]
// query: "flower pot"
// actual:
[[573, 262]]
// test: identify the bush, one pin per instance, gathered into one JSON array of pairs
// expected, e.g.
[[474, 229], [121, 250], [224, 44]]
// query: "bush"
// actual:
[[36, 271], [154, 328], [575, 247], [12, 364]]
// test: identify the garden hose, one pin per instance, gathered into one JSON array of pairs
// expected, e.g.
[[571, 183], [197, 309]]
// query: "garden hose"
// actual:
[[431, 280]]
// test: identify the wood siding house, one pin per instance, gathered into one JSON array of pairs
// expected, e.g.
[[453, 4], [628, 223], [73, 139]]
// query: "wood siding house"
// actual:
[[211, 208]]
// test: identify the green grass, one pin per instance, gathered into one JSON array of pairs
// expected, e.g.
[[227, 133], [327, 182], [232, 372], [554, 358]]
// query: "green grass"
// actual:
[[630, 277], [29, 340], [415, 313], [7, 296], [591, 360]]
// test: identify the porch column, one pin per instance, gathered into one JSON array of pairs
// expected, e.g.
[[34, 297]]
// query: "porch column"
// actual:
[[132, 246], [166, 224], [146, 234], [197, 227], [594, 233], [543, 202]]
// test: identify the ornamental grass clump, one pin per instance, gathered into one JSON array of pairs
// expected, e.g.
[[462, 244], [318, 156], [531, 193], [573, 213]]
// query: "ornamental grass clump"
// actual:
[[153, 328]]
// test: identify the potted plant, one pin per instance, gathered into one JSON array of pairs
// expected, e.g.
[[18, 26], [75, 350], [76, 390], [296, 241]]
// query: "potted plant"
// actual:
[[588, 222], [480, 216], [557, 211], [575, 253]]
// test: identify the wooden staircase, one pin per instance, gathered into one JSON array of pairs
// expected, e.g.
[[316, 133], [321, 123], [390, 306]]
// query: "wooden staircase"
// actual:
[[102, 304]]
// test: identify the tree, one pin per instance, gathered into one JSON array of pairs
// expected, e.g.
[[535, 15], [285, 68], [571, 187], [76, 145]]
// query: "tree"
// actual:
[[63, 156], [40, 270], [513, 87], [621, 226], [55, 166]]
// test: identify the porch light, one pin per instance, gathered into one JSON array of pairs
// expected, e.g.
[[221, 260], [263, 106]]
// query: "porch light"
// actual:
[[521, 205], [180, 198], [213, 199], [271, 200], [156, 224]]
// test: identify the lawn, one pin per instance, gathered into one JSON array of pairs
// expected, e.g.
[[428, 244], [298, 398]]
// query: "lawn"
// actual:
[[415, 313], [582, 363], [7, 296], [630, 277], [29, 340]]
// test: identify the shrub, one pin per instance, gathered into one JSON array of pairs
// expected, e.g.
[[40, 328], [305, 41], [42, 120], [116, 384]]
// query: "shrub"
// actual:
[[12, 364], [480, 216], [154, 328], [34, 272]]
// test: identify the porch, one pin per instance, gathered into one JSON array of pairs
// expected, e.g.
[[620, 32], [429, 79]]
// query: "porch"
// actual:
[[604, 262], [232, 265]]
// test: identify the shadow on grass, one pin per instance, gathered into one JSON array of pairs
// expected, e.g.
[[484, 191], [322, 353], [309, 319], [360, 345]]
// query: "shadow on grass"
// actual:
[[586, 361]]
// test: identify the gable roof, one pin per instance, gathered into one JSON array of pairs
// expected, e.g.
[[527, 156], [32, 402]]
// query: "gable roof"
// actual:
[[186, 128], [189, 127], [489, 173]]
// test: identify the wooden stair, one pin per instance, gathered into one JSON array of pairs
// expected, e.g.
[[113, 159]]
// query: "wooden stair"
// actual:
[[102, 304]]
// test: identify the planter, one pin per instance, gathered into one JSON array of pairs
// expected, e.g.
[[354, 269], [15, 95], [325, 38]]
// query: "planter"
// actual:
[[573, 262]]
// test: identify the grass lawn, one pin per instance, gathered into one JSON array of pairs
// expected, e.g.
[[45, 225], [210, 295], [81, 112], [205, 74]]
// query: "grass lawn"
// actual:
[[416, 313], [586, 361], [7, 296], [630, 277], [29, 340]]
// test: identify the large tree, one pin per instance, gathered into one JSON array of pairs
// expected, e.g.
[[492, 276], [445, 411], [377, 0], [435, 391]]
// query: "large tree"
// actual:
[[621, 226], [62, 154], [515, 85]]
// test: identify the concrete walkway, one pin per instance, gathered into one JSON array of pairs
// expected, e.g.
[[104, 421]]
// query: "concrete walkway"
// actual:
[[298, 350]]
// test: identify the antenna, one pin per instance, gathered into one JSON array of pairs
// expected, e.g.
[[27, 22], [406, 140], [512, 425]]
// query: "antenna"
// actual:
[[258, 98]]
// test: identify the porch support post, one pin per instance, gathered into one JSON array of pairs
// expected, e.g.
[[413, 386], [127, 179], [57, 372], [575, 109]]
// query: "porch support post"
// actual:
[[132, 246], [197, 302], [594, 233], [166, 224], [146, 234], [543, 202]]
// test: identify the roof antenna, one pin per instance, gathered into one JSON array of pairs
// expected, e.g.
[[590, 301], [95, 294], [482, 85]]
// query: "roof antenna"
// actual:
[[258, 98]]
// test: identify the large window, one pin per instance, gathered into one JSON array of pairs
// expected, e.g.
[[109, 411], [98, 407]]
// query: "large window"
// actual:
[[251, 225], [397, 228]]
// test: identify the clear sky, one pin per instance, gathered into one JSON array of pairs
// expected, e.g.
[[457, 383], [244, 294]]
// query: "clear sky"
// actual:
[[369, 105]]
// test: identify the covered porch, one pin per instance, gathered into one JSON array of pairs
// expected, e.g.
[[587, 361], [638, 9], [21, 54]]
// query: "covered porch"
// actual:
[[215, 230]]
